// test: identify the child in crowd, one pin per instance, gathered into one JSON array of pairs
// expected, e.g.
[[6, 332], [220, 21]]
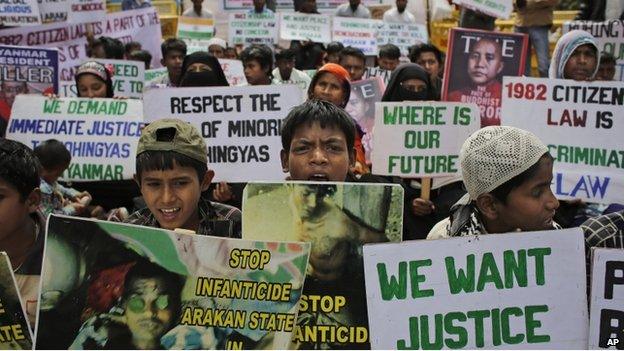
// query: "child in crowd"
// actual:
[[173, 51], [331, 83], [257, 64], [141, 56], [388, 57], [332, 53], [576, 56], [172, 172], [22, 227], [94, 80], [55, 198], [606, 68], [354, 61], [507, 172]]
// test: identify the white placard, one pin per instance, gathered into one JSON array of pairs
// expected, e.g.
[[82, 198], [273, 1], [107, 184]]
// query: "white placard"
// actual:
[[371, 72], [499, 291], [234, 72], [606, 321], [421, 139], [128, 78], [82, 11], [19, 13], [306, 27], [582, 123], [241, 125], [494, 8], [403, 35], [357, 32], [100, 134], [252, 28], [53, 10], [609, 36]]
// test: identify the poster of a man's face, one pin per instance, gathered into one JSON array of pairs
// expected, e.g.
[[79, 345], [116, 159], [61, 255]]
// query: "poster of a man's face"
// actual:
[[476, 63]]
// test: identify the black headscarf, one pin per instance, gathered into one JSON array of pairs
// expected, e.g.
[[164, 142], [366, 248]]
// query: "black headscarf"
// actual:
[[213, 78], [394, 90]]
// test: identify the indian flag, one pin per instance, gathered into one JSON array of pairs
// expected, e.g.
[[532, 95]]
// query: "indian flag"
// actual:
[[195, 28]]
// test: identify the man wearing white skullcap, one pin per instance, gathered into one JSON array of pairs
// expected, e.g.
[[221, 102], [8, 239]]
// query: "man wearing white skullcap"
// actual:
[[507, 172]]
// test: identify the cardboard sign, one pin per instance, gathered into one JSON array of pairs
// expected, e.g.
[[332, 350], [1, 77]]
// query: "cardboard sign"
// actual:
[[128, 78], [234, 72], [82, 11], [134, 25], [155, 73], [421, 139], [195, 28], [491, 291], [495, 8], [53, 10], [16, 334], [19, 13], [337, 218], [305, 27], [606, 321], [361, 107], [241, 125], [100, 134], [252, 28], [357, 32], [610, 38], [205, 292], [287, 5], [403, 35], [471, 78], [26, 70], [371, 72], [582, 124]]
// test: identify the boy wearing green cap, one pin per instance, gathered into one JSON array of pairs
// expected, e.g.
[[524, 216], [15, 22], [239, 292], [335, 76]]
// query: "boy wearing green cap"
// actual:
[[172, 172]]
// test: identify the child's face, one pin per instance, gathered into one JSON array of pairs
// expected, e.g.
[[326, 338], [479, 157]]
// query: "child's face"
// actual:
[[52, 175], [318, 154], [173, 195], [532, 205], [254, 72], [14, 211], [90, 86], [329, 88]]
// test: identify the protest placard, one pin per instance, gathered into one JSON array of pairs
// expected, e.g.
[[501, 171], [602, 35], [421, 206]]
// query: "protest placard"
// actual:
[[53, 10], [288, 5], [15, 334], [609, 36], [337, 218], [403, 35], [234, 72], [252, 28], [195, 28], [100, 134], [306, 27], [606, 315], [86, 11], [421, 139], [371, 72], [495, 8], [357, 32], [70, 39], [361, 107], [241, 125], [155, 73], [491, 291], [19, 13], [128, 78], [475, 64], [582, 124], [25, 70], [205, 292]]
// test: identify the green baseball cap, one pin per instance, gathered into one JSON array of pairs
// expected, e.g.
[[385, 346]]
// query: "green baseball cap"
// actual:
[[173, 135]]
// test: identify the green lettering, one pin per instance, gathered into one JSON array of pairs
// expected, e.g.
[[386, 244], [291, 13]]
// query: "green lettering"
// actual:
[[478, 317], [390, 117], [532, 324], [413, 330], [507, 337], [515, 268], [489, 273], [462, 334], [416, 278], [424, 332], [539, 254], [461, 280], [391, 289]]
